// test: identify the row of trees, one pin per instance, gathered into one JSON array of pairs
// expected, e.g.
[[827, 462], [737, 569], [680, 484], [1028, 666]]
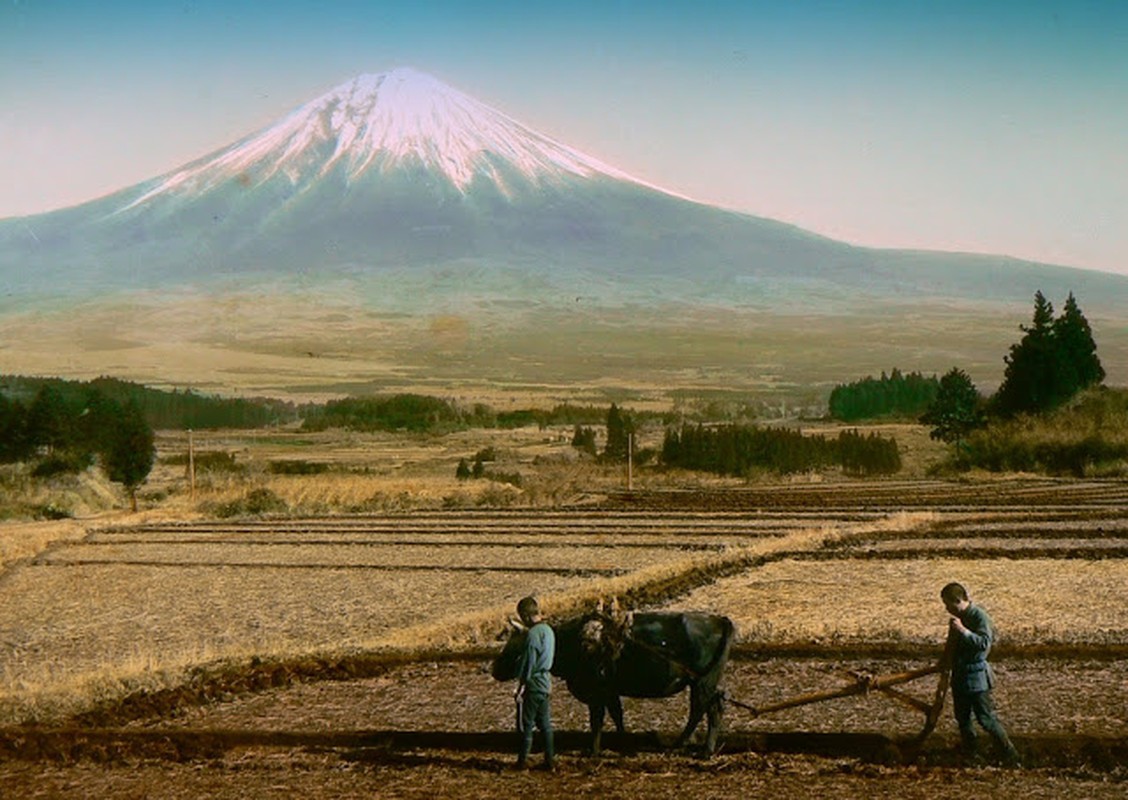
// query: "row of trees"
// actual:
[[741, 449], [1054, 360], [423, 413], [62, 433], [895, 394], [175, 409]]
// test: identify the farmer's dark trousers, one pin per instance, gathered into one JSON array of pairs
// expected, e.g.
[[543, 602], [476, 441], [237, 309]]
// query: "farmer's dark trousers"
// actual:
[[536, 712], [982, 707]]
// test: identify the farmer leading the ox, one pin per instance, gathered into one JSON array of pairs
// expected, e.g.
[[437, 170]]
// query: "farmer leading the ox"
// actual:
[[534, 683], [970, 635]]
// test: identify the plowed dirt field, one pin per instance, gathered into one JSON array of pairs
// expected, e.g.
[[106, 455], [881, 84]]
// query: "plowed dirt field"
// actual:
[[434, 724]]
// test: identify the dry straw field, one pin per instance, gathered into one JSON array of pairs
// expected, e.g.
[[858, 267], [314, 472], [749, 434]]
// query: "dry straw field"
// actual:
[[181, 653]]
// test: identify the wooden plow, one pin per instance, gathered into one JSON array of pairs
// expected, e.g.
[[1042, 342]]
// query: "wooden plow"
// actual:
[[864, 683]]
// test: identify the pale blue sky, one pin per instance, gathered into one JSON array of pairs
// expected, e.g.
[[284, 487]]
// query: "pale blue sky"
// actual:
[[986, 126]]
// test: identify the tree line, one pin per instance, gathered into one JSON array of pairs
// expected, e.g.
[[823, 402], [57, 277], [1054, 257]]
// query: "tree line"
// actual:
[[67, 432], [163, 409], [893, 395], [426, 414], [740, 450]]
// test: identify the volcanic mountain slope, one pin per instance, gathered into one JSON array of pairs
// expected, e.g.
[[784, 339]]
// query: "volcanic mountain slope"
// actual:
[[397, 175]]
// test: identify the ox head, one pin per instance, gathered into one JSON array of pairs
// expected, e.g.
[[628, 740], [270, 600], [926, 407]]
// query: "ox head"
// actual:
[[505, 665]]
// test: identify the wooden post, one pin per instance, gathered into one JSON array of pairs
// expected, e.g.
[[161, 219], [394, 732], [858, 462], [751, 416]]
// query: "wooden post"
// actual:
[[191, 468], [630, 461]]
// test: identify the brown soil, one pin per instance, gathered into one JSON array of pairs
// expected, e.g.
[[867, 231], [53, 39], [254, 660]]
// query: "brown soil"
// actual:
[[443, 728]]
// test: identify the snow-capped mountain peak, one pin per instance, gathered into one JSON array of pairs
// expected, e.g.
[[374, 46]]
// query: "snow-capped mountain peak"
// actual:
[[380, 121]]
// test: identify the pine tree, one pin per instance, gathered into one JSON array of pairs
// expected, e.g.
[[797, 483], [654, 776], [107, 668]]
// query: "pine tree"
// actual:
[[583, 439], [1074, 339], [1034, 379], [1055, 359], [13, 430], [49, 421], [619, 429], [956, 411], [129, 454]]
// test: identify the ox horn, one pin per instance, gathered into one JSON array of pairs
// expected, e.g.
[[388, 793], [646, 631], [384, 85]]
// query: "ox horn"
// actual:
[[517, 625]]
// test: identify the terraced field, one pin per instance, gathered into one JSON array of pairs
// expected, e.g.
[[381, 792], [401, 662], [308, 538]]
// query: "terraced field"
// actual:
[[339, 655]]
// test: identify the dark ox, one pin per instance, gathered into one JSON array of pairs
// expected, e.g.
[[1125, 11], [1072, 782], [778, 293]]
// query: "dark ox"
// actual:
[[658, 655]]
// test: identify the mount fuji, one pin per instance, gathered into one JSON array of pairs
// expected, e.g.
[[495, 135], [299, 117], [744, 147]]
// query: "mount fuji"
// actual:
[[398, 180]]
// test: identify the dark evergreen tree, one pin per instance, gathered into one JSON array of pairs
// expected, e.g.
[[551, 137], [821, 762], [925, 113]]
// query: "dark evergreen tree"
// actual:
[[583, 439], [462, 472], [957, 409], [49, 420], [619, 429], [1034, 378], [1074, 339], [13, 430], [95, 423], [1054, 360], [130, 453]]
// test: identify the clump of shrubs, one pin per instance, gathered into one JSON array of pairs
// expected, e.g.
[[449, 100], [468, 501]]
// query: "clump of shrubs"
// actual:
[[208, 461], [254, 503], [1088, 437], [295, 467], [477, 470]]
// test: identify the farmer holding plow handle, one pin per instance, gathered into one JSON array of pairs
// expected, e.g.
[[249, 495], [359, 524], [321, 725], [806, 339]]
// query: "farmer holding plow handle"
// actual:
[[970, 635]]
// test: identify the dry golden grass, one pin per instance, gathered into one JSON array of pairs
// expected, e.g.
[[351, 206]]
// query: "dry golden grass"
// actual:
[[476, 626], [1030, 601], [23, 498], [27, 539], [337, 343], [72, 633], [82, 632]]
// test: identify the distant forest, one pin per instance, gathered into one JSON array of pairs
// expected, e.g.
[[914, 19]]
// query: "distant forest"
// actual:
[[894, 395], [413, 412], [162, 409], [741, 450], [188, 409]]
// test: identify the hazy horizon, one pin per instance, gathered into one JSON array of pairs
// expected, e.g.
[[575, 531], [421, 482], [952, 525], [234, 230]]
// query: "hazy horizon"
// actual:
[[907, 125]]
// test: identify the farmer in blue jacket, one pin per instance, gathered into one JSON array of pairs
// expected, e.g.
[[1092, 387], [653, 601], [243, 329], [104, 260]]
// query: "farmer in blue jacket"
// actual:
[[970, 635], [534, 683]]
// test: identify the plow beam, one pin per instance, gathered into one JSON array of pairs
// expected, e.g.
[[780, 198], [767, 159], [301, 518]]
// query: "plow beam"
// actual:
[[864, 684]]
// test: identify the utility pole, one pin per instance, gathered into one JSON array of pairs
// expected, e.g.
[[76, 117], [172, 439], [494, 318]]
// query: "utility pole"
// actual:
[[630, 462], [191, 468]]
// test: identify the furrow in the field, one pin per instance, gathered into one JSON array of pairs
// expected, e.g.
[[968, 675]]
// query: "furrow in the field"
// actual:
[[486, 540], [1051, 513], [967, 552], [886, 495], [1098, 546], [460, 530], [476, 569], [1095, 531], [547, 523], [604, 558]]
